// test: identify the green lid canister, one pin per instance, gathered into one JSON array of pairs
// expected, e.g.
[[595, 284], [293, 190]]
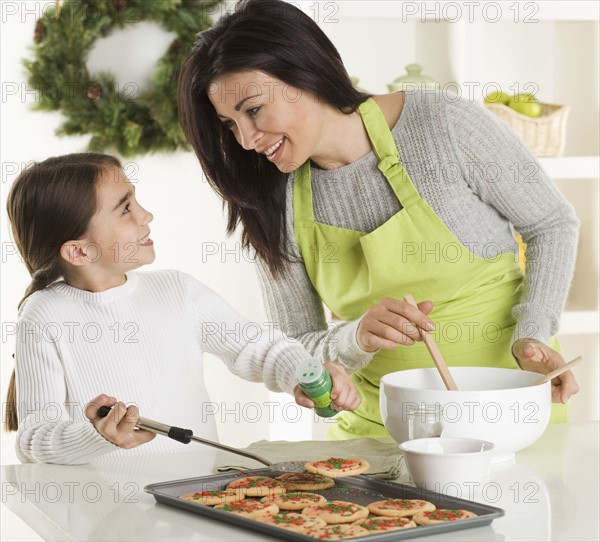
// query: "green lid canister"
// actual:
[[413, 80], [315, 382]]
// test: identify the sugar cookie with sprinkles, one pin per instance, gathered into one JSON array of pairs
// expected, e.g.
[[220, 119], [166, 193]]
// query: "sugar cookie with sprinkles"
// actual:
[[210, 498], [337, 512], [295, 500], [305, 481], [292, 521], [337, 532], [337, 467], [442, 515], [383, 524], [400, 507], [249, 508], [258, 486]]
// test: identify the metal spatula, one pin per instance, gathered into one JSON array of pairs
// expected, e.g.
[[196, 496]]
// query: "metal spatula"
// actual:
[[185, 436]]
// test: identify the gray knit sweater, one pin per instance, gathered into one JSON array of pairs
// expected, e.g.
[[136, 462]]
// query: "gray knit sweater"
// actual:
[[478, 177]]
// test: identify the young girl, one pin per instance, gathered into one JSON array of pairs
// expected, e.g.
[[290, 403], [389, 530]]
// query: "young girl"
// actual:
[[93, 333], [355, 201]]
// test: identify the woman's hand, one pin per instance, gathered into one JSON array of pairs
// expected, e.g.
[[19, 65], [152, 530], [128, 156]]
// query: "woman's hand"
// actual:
[[343, 392], [538, 357], [119, 426], [392, 322]]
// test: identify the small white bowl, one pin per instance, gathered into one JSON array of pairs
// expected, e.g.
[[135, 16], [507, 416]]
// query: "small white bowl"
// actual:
[[448, 465]]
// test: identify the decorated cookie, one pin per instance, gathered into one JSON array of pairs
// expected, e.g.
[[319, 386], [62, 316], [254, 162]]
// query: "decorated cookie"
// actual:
[[441, 515], [292, 521], [336, 467], [258, 486], [399, 507], [249, 508], [210, 498], [305, 481], [382, 524], [295, 500], [337, 532], [337, 512]]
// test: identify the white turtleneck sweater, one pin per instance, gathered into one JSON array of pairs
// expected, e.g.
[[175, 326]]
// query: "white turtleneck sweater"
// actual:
[[143, 343]]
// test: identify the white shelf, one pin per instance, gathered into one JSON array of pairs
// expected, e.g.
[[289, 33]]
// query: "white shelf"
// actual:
[[454, 11], [579, 323], [572, 167]]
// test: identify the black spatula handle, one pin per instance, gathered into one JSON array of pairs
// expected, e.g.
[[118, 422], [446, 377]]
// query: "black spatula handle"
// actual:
[[176, 433]]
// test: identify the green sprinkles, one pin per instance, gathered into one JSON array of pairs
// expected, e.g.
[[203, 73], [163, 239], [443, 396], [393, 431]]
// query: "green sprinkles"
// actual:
[[444, 514], [288, 520], [342, 509], [243, 506], [339, 462]]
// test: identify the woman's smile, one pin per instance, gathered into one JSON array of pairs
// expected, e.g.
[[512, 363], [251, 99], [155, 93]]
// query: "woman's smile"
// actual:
[[274, 152], [263, 119]]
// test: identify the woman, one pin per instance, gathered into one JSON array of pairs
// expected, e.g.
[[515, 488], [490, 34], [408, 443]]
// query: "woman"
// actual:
[[356, 201]]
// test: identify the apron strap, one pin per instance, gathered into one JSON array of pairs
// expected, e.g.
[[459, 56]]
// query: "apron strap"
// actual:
[[389, 164], [387, 153], [302, 194]]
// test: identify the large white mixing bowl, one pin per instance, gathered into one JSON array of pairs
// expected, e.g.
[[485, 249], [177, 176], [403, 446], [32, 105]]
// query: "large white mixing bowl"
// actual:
[[497, 405]]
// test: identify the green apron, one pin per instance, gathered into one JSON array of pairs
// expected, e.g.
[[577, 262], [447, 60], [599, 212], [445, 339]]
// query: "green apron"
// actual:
[[412, 252]]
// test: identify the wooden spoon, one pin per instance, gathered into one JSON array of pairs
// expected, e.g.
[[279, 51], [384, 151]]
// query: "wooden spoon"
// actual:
[[434, 351], [566, 367]]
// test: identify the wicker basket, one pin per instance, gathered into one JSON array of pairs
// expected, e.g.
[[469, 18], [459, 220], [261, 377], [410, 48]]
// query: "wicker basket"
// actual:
[[545, 134]]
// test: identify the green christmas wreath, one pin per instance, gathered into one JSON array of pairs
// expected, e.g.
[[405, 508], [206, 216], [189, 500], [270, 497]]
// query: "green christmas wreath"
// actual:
[[131, 120]]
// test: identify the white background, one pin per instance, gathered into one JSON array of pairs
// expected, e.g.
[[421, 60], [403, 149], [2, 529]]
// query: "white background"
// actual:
[[376, 40]]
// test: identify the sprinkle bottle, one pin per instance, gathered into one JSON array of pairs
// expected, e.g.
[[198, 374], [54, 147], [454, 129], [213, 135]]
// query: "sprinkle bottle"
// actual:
[[315, 382]]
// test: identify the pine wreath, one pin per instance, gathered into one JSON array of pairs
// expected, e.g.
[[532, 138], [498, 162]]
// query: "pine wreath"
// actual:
[[131, 122]]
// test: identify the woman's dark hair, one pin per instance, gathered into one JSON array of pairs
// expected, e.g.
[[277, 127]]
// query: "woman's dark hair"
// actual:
[[50, 203], [276, 38]]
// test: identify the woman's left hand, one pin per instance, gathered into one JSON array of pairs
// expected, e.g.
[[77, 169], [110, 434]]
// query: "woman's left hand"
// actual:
[[343, 392], [533, 355]]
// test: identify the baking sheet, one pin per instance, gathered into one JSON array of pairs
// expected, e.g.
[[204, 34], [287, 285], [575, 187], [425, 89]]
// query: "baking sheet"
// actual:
[[358, 489]]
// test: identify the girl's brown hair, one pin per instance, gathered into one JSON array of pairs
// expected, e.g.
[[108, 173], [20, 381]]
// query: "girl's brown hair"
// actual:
[[50, 203]]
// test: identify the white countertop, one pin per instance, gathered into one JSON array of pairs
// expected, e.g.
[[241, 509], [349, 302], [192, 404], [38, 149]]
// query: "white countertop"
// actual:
[[550, 492]]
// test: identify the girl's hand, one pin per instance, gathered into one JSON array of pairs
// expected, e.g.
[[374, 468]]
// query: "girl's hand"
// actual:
[[343, 392], [119, 426], [392, 322], [533, 355]]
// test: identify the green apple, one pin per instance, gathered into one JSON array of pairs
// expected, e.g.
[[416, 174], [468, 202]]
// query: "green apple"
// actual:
[[497, 97], [526, 104]]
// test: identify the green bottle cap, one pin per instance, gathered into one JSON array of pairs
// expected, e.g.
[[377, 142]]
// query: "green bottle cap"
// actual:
[[309, 372]]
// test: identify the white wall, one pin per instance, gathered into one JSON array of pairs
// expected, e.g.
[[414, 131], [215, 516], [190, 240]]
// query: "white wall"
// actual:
[[189, 224]]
